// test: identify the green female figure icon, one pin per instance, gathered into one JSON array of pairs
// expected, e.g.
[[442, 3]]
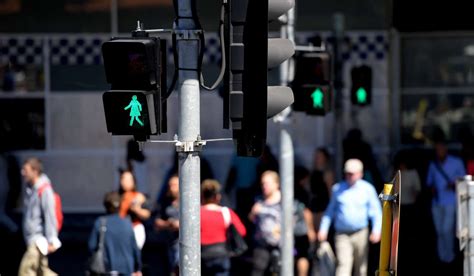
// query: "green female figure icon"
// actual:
[[135, 109]]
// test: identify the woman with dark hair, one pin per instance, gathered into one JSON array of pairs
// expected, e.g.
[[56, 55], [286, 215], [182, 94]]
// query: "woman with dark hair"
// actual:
[[136, 163], [167, 220], [121, 254], [214, 222], [133, 204]]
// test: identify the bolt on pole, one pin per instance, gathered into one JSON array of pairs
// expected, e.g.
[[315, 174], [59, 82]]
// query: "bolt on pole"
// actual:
[[187, 32]]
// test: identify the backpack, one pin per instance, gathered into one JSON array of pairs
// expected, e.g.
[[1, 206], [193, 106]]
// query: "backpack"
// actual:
[[57, 205]]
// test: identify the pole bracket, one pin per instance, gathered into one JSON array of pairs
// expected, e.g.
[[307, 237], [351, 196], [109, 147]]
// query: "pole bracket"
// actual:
[[190, 146], [384, 197], [188, 34]]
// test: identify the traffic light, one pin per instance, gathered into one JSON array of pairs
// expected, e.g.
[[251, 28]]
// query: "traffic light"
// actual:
[[361, 90], [251, 54], [134, 68], [320, 99], [312, 83]]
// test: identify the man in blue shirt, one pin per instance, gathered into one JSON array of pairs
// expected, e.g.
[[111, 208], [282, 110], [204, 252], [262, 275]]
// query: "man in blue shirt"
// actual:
[[353, 203], [442, 174]]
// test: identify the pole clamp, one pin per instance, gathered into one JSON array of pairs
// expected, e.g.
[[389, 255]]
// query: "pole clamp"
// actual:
[[384, 197], [190, 146]]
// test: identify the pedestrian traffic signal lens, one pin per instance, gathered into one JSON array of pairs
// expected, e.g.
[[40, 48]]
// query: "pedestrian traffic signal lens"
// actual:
[[135, 110], [361, 90], [129, 112], [317, 99], [361, 96]]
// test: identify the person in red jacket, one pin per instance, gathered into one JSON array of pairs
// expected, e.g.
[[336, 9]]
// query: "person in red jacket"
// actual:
[[214, 257]]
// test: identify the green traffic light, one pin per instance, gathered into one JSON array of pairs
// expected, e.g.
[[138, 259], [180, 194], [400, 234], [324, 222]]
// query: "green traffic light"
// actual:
[[135, 110], [318, 97], [361, 95]]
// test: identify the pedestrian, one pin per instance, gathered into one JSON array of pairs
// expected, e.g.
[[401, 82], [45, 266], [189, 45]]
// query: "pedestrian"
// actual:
[[241, 183], [321, 181], [441, 177], [167, 220], [214, 255], [121, 253], [137, 164], [355, 147], [353, 203], [134, 204], [266, 214], [304, 229], [40, 227]]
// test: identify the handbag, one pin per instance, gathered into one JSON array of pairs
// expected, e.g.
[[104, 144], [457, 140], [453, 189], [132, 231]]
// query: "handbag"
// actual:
[[235, 243], [97, 261]]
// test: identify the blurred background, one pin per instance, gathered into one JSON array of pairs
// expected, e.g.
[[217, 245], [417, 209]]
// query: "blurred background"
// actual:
[[52, 80]]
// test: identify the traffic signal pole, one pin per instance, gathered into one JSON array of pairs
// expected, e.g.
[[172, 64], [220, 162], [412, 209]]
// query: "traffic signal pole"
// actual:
[[189, 144], [338, 29], [287, 158]]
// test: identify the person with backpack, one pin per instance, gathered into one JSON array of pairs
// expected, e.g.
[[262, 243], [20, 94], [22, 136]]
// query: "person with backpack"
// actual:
[[41, 220]]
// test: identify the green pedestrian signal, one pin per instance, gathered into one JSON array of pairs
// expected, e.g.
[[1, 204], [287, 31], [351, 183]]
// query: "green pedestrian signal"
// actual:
[[135, 110], [130, 112], [361, 88], [361, 96], [318, 97]]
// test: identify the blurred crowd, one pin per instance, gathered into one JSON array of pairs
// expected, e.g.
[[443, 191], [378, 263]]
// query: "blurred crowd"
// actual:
[[336, 218]]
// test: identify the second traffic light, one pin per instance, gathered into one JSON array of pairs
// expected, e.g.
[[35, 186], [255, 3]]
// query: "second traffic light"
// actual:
[[361, 89], [312, 83], [251, 53]]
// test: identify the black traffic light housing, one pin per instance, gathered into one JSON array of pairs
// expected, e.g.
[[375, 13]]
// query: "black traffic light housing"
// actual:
[[136, 69], [312, 85], [361, 89], [249, 101]]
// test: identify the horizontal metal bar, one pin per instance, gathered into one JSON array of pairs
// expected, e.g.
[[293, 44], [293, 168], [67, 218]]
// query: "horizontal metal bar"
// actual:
[[309, 48]]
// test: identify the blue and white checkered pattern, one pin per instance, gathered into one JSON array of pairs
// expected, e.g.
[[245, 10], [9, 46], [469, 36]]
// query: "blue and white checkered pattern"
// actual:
[[85, 49], [77, 50], [368, 45], [21, 50]]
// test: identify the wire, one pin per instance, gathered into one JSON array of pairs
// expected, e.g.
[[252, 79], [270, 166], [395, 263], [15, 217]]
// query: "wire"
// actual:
[[175, 74], [223, 54]]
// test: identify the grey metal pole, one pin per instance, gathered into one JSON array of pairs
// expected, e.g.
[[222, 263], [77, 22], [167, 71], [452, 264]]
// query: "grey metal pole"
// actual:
[[114, 17], [286, 161], [188, 134], [338, 26]]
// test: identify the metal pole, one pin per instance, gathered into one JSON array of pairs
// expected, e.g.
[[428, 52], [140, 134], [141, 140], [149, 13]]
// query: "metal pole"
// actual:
[[386, 235], [338, 22], [114, 17], [187, 36], [286, 161]]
